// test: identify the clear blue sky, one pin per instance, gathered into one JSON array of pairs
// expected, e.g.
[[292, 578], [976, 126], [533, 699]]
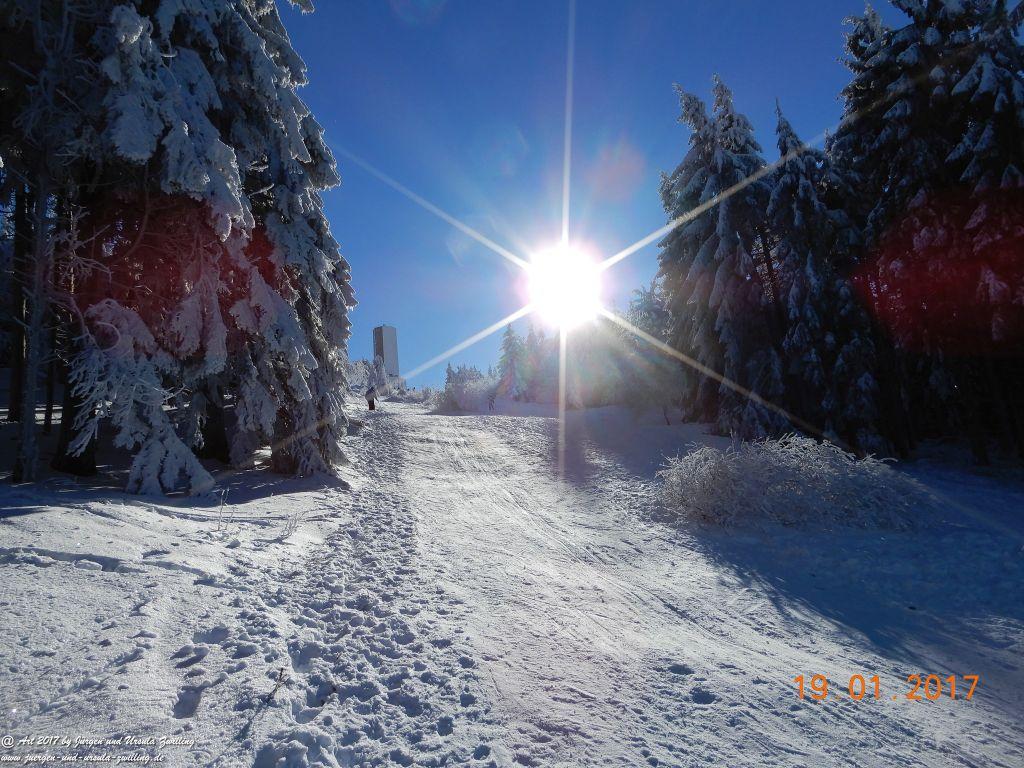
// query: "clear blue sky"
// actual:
[[462, 101]]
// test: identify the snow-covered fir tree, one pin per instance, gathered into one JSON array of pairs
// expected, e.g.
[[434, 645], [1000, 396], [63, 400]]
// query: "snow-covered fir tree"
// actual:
[[379, 379], [209, 271], [717, 268], [930, 140], [826, 344], [990, 100], [686, 266], [533, 362], [653, 375], [512, 365]]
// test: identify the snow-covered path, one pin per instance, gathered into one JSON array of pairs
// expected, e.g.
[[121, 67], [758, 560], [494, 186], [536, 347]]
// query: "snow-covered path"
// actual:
[[598, 637], [464, 602]]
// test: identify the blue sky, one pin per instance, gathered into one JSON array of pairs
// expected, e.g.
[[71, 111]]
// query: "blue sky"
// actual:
[[462, 101]]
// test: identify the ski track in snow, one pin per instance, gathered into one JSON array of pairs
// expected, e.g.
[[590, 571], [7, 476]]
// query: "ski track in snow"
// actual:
[[469, 605]]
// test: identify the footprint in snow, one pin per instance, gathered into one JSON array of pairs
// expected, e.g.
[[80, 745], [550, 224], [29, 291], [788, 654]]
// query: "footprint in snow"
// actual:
[[130, 656], [217, 634], [702, 696], [190, 654], [190, 696]]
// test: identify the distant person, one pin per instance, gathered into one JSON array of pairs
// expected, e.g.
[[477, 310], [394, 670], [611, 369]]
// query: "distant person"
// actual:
[[490, 400], [371, 395]]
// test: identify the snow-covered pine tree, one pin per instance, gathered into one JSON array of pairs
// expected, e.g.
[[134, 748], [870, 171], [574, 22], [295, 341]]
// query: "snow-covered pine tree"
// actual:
[[989, 98], [511, 365], [850, 145], [910, 161], [281, 146], [827, 348], [380, 380], [653, 374], [746, 290], [46, 103], [533, 363], [685, 265], [850, 148], [648, 311], [717, 269], [191, 150]]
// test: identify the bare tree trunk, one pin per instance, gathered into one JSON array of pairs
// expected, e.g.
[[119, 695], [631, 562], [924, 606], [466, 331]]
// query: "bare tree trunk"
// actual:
[[51, 377], [282, 458], [83, 464], [215, 432], [26, 459], [778, 310], [1007, 415], [894, 418], [22, 241], [972, 407]]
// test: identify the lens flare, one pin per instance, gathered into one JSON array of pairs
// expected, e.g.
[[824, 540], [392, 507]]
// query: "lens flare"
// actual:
[[565, 286]]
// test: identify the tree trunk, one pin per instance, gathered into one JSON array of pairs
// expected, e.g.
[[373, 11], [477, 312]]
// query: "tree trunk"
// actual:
[[51, 376], [1003, 407], [215, 433], [778, 310], [282, 459], [22, 243], [84, 464], [26, 459], [894, 420]]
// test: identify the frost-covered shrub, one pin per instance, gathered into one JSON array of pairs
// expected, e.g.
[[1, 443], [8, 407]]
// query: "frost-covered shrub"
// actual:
[[359, 373], [466, 389], [793, 480], [420, 395]]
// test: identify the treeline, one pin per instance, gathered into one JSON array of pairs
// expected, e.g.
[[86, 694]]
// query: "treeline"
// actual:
[[874, 290], [170, 269], [605, 365]]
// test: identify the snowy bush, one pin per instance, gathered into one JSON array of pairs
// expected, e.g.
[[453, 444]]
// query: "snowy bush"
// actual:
[[359, 373], [793, 480], [465, 389], [418, 395]]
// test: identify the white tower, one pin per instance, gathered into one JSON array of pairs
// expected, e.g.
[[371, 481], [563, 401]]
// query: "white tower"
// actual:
[[385, 345]]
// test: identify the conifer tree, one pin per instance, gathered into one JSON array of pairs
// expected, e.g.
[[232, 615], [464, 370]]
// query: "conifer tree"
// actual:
[[533, 362], [687, 264], [916, 159], [511, 365], [203, 263], [826, 346], [717, 268]]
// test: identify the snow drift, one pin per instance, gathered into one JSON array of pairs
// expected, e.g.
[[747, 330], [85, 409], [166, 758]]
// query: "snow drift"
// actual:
[[792, 480]]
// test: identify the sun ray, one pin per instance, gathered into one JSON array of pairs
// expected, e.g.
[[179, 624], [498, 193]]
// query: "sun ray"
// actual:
[[562, 375], [749, 394], [521, 312], [567, 137], [429, 206]]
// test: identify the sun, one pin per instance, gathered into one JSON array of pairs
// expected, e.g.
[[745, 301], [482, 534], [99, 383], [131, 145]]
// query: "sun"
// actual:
[[565, 286]]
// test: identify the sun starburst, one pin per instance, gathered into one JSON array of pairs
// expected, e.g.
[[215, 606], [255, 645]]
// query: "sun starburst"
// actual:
[[565, 284]]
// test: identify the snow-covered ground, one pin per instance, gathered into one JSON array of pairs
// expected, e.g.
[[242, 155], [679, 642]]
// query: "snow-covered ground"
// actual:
[[456, 600]]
